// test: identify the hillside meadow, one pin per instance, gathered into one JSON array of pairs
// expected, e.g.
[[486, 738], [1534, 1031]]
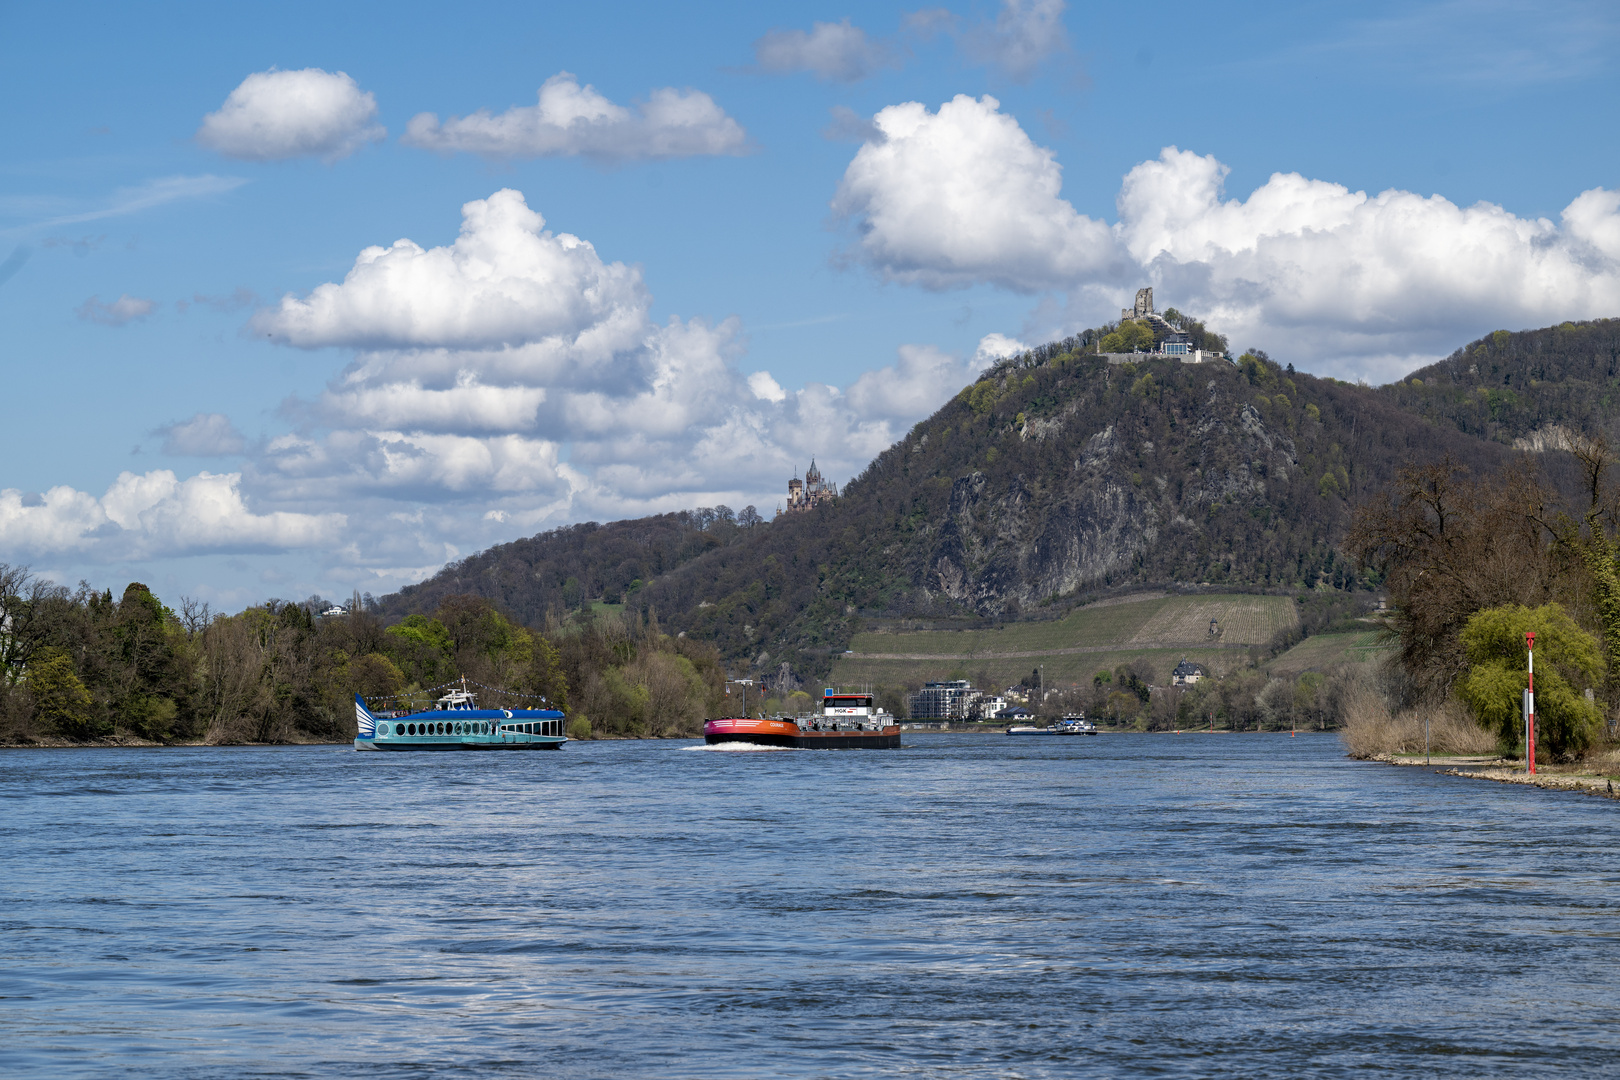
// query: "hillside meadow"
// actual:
[[1153, 629]]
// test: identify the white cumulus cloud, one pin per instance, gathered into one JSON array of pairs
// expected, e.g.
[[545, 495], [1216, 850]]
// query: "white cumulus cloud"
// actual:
[[836, 52], [962, 195], [57, 521], [1335, 280], [921, 380], [274, 115], [155, 515], [1378, 278], [120, 312], [765, 387], [572, 120], [504, 282], [993, 347], [467, 406], [1594, 219]]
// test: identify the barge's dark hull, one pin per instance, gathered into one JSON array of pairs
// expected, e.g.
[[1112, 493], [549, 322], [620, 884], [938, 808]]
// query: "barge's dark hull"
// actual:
[[778, 733], [887, 739]]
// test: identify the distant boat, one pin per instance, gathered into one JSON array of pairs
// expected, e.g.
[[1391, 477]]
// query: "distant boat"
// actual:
[[846, 722], [456, 723], [1069, 725]]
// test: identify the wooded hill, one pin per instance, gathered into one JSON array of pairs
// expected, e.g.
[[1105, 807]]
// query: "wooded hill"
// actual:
[[1507, 387], [1056, 477], [557, 571]]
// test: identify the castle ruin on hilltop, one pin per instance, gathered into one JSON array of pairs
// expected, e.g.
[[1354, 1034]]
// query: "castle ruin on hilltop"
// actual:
[[1143, 308], [1169, 339]]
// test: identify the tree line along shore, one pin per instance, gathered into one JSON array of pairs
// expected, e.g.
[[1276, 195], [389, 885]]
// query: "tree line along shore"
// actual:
[[81, 665]]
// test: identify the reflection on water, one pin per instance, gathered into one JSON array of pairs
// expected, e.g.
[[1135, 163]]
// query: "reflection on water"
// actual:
[[966, 906]]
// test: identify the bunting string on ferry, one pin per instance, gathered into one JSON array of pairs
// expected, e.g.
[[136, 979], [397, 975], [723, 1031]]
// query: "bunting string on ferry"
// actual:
[[428, 691]]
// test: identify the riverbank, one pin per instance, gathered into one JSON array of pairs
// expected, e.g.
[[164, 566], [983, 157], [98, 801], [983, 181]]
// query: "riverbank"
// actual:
[[1592, 778], [131, 742], [135, 742]]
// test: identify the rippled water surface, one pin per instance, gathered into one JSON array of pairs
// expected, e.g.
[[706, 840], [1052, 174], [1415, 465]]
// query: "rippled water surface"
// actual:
[[965, 906]]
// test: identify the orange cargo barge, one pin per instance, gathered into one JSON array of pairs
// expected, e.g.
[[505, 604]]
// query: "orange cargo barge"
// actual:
[[846, 722]]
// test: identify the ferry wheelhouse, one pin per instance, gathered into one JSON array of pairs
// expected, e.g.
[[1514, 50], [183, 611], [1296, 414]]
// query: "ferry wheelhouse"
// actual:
[[457, 723], [846, 722]]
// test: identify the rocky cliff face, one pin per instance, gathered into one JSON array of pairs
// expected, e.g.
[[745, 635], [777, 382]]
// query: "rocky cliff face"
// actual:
[[1107, 499]]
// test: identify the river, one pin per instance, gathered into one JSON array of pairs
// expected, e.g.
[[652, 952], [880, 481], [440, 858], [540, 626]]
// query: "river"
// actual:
[[1126, 905]]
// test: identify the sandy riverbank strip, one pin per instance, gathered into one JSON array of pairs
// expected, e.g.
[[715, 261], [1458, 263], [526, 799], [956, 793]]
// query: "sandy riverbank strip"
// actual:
[[1490, 768]]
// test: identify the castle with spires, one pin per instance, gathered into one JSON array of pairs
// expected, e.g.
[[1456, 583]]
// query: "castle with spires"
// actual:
[[811, 491]]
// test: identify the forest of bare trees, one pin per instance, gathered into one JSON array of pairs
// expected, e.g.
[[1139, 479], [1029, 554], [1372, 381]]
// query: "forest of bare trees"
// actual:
[[1474, 562]]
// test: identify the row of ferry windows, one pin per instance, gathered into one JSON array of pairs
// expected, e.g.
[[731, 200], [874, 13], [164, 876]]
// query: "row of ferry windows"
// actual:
[[540, 727]]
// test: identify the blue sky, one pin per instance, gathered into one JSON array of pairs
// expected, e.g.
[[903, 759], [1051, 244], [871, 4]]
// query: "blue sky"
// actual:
[[851, 211]]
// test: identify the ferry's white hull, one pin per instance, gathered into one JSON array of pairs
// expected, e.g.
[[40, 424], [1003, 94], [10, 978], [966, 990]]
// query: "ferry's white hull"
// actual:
[[518, 741]]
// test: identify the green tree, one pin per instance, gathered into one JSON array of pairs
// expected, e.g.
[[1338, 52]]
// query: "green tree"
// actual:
[[147, 675], [1131, 336], [1256, 369], [1570, 661], [376, 676], [422, 648], [981, 397], [423, 630], [545, 675], [60, 700], [24, 622]]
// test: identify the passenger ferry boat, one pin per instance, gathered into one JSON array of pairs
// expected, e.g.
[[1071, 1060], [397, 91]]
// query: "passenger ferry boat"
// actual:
[[1069, 725], [846, 722], [457, 723]]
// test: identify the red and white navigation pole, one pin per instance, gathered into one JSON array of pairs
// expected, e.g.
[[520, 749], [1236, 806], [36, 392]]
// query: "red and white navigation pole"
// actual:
[[1530, 705]]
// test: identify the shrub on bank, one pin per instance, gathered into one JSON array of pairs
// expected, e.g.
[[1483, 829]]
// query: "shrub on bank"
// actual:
[[1566, 722]]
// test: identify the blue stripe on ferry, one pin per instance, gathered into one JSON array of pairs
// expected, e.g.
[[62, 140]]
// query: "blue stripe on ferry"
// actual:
[[486, 714]]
